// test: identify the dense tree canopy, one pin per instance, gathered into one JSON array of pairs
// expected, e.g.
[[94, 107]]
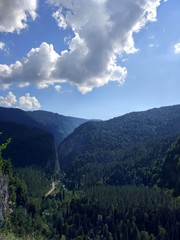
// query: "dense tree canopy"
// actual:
[[121, 181]]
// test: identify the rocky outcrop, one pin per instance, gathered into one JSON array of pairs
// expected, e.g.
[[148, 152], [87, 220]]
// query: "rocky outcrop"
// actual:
[[4, 197]]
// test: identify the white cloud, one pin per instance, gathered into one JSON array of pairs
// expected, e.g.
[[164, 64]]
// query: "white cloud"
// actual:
[[22, 85], [25, 102], [58, 88], [2, 46], [29, 103], [35, 68], [9, 100], [177, 48], [103, 30], [14, 14], [60, 19]]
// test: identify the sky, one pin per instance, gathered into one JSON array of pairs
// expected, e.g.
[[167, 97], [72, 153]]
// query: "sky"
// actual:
[[94, 59]]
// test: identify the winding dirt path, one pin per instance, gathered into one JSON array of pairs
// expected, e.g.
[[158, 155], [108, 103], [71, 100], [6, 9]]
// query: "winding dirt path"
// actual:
[[53, 186]]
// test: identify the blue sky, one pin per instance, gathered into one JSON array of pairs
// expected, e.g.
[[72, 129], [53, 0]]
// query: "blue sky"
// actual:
[[92, 59]]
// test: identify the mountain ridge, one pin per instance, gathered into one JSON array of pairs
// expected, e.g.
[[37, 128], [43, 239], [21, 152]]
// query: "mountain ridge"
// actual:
[[58, 125], [53, 126], [135, 138], [122, 179]]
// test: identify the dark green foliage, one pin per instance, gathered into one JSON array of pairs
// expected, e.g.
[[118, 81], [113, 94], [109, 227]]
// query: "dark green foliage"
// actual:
[[132, 146], [99, 212], [171, 168], [107, 212], [144, 168], [5, 165], [121, 183], [128, 212], [29, 146], [37, 181]]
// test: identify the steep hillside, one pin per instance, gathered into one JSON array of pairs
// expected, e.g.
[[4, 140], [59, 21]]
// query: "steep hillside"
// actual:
[[170, 176], [103, 208], [34, 135], [137, 138], [29, 146], [17, 116], [60, 126]]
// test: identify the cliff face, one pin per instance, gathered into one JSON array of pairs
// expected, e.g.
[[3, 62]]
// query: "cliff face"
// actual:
[[4, 197]]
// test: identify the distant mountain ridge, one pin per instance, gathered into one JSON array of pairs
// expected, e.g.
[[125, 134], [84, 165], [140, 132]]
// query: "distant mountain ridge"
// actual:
[[35, 136], [17, 116], [58, 125], [138, 137]]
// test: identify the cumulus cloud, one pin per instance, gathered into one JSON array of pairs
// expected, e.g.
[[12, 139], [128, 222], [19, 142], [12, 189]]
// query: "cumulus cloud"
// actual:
[[25, 102], [36, 68], [103, 30], [177, 48], [14, 14], [29, 103], [9, 100]]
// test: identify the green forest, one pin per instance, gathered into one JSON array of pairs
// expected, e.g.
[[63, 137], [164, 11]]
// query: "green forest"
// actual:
[[113, 186], [101, 211]]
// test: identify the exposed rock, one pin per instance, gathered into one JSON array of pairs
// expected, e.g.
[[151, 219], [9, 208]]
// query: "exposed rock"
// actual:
[[4, 197]]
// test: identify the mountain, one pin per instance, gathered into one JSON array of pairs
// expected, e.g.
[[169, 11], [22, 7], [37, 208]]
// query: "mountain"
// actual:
[[29, 146], [122, 168], [17, 116], [35, 136], [60, 126], [170, 175], [100, 149]]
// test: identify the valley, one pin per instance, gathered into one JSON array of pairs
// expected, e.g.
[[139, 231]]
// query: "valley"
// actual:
[[71, 178]]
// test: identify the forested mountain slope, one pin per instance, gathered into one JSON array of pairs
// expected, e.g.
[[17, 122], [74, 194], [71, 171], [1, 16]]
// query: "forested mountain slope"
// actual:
[[170, 175], [35, 136], [60, 126], [121, 181], [17, 116], [29, 146], [136, 139]]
